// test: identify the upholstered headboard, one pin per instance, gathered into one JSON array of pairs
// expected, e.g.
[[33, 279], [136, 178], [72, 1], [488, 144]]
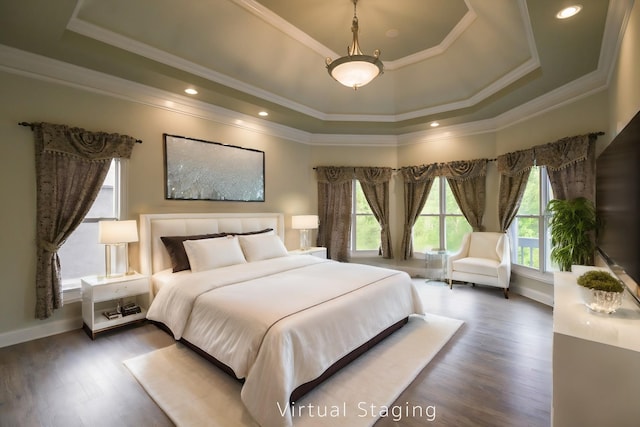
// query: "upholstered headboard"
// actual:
[[153, 254]]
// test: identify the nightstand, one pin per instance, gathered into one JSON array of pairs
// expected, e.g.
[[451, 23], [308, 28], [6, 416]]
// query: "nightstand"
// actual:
[[101, 294], [316, 251]]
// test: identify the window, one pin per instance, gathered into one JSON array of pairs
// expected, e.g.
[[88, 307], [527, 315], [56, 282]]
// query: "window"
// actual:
[[529, 231], [441, 223], [81, 254], [365, 229]]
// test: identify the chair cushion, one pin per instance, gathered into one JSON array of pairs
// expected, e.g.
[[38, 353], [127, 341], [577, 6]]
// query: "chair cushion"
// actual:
[[484, 266], [483, 245]]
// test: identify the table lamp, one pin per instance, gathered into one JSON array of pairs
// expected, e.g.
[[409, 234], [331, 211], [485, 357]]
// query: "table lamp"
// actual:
[[115, 233], [304, 223]]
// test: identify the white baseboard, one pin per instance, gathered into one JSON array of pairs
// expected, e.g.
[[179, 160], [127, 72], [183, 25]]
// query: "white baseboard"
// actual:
[[534, 294], [40, 331]]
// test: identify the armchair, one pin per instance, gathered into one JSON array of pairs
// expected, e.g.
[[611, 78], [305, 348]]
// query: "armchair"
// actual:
[[484, 258]]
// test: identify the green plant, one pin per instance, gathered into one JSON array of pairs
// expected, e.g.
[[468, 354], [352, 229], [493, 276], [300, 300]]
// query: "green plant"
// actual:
[[601, 281], [573, 223]]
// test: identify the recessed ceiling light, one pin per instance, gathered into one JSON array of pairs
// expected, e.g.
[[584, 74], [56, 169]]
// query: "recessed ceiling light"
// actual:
[[263, 113], [568, 12], [191, 91], [434, 124], [392, 33]]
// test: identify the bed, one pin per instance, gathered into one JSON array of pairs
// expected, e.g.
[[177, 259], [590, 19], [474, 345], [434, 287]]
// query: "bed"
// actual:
[[280, 323]]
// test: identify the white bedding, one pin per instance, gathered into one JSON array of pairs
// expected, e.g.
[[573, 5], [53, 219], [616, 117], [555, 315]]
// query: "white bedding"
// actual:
[[282, 322]]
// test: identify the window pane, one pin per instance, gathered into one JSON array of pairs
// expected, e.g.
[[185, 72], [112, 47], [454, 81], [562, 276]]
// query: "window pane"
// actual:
[[426, 233], [81, 255], [105, 204], [527, 242], [530, 204], [367, 233], [456, 227], [362, 206], [451, 206], [432, 205]]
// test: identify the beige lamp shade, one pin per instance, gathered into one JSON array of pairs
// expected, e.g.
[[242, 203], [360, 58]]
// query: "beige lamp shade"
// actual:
[[114, 232], [304, 222]]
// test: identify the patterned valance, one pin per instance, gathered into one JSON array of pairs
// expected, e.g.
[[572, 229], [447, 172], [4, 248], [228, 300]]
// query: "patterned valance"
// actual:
[[373, 175], [512, 164], [84, 144], [419, 173], [559, 154], [334, 174], [464, 169]]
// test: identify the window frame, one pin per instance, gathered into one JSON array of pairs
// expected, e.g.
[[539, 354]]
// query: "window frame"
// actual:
[[544, 272], [353, 250], [442, 215], [71, 287]]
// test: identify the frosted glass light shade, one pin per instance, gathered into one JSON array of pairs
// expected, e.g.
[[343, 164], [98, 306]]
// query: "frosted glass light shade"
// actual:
[[304, 222], [356, 71], [114, 232]]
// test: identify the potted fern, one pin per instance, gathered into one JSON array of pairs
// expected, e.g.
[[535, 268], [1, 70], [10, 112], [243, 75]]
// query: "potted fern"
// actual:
[[573, 223], [601, 291]]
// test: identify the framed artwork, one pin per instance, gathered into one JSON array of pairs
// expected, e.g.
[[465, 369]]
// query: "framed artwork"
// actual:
[[203, 170]]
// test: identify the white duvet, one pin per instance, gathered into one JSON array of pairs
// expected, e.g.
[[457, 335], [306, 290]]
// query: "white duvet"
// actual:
[[282, 322]]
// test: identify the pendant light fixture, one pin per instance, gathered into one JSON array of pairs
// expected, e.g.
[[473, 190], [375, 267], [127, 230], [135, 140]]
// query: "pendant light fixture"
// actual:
[[356, 69]]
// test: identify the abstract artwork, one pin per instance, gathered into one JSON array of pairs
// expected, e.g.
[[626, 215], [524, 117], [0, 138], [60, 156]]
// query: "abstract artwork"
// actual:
[[204, 170]]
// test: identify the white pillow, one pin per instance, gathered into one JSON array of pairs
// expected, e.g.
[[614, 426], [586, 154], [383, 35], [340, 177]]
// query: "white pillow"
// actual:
[[262, 246], [207, 254]]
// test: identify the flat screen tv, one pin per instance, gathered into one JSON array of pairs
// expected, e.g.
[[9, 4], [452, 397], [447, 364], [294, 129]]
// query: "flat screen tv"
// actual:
[[618, 204]]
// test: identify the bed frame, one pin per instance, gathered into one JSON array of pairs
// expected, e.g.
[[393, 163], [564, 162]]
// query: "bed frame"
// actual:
[[154, 258]]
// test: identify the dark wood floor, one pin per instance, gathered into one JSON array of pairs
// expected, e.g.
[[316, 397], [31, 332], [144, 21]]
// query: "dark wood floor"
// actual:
[[496, 371]]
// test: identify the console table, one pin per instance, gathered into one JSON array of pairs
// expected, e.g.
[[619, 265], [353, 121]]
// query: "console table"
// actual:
[[596, 361]]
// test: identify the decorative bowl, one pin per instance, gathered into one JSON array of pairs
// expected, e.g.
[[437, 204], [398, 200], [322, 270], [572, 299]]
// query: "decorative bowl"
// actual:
[[601, 301]]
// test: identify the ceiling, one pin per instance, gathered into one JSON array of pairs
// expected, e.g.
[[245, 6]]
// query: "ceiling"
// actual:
[[454, 61]]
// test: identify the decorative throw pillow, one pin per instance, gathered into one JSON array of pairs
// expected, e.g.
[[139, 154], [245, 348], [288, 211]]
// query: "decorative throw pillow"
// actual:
[[207, 254], [262, 246], [175, 248]]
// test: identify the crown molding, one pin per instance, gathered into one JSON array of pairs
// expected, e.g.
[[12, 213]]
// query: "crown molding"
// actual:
[[87, 29], [27, 64]]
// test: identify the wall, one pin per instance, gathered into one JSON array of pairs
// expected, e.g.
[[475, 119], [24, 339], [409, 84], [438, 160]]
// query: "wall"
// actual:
[[288, 179], [624, 89]]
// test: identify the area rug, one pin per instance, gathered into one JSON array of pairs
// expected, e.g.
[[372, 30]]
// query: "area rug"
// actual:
[[193, 392]]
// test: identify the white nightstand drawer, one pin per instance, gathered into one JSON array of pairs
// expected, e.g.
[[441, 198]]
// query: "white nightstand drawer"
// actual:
[[120, 290]]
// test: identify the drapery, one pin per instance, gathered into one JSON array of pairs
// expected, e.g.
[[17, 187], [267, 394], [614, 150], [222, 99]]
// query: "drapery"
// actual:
[[417, 184], [467, 180], [514, 169], [375, 186], [571, 166], [71, 165], [334, 210]]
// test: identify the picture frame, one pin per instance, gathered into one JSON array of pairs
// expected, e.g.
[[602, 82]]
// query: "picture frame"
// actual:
[[196, 169]]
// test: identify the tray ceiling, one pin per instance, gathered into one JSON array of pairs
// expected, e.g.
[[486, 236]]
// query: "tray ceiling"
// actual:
[[454, 61]]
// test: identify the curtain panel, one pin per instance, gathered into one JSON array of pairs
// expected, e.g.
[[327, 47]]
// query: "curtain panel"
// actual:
[[71, 165], [514, 169], [417, 184], [571, 165], [334, 210], [467, 180], [375, 186]]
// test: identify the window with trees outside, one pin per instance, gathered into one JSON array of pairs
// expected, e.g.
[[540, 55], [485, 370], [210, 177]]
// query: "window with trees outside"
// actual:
[[529, 231], [441, 224], [365, 230], [81, 254]]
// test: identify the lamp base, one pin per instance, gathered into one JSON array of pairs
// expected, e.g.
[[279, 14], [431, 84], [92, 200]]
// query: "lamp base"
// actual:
[[305, 239]]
